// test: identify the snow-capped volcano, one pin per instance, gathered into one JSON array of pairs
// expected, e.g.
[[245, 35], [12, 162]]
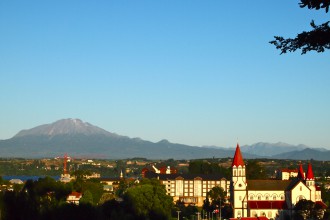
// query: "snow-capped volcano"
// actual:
[[64, 127]]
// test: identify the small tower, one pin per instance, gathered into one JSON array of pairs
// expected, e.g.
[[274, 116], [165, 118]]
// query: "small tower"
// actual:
[[310, 181], [238, 185]]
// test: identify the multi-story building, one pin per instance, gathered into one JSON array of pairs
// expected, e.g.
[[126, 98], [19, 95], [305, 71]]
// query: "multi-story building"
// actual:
[[188, 188]]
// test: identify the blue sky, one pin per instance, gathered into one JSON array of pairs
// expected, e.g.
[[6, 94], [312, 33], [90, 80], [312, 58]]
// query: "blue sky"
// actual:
[[192, 72]]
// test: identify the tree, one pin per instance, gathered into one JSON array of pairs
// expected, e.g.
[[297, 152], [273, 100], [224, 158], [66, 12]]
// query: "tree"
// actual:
[[217, 196], [87, 198], [148, 200], [317, 39], [307, 209], [255, 171]]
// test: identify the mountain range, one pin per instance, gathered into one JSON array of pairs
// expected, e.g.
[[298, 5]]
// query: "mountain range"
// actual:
[[84, 140]]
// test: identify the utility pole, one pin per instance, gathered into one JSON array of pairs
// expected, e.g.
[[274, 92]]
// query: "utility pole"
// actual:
[[178, 214]]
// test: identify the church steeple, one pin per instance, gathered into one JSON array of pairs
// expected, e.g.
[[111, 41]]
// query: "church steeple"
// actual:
[[238, 159], [238, 185], [310, 174], [301, 174]]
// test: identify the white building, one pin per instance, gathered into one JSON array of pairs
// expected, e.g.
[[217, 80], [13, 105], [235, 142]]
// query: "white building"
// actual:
[[190, 189]]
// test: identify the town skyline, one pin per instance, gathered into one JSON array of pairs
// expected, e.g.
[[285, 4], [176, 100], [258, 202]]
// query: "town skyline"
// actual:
[[196, 73]]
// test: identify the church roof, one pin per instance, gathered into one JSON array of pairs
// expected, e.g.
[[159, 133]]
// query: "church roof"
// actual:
[[263, 185], [321, 204], [238, 159], [267, 204], [309, 175]]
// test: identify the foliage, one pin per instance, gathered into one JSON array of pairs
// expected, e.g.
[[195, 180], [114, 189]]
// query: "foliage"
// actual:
[[34, 200], [315, 4], [216, 198], [205, 167], [87, 198], [317, 39], [186, 211], [92, 185], [255, 171], [307, 209], [148, 200], [106, 197]]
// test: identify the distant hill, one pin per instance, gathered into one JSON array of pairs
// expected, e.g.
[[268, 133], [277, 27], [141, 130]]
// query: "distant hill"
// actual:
[[270, 149], [305, 154], [83, 140]]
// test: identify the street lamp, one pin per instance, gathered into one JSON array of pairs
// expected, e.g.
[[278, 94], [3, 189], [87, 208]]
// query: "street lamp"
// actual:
[[178, 214]]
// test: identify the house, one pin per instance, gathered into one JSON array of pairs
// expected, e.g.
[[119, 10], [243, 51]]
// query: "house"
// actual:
[[269, 198], [286, 174], [74, 198]]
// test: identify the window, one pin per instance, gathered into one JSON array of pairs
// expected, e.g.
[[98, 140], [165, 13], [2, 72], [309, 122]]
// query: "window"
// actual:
[[234, 172], [282, 197], [274, 197], [300, 188], [269, 214], [267, 197], [259, 197], [251, 198]]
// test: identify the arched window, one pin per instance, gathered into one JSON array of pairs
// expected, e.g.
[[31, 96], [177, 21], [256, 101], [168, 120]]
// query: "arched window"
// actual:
[[267, 197], [234, 172], [239, 173], [274, 197], [269, 214], [282, 197], [259, 197], [251, 198], [254, 214]]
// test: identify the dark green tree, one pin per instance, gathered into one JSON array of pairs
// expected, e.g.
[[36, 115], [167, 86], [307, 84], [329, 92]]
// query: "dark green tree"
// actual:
[[307, 209], [255, 171], [148, 200], [87, 198], [205, 167], [185, 211], [318, 39]]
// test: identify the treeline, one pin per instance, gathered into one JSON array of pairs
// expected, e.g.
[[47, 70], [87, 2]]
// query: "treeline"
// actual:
[[206, 167], [45, 199]]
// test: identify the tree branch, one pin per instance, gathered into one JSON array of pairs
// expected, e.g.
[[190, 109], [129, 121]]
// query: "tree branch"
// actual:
[[317, 39]]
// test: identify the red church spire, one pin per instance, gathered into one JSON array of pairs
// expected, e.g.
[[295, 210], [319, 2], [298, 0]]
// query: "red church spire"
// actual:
[[238, 159], [301, 173], [309, 175]]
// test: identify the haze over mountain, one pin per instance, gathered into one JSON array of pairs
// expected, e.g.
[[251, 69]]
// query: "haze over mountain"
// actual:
[[82, 139]]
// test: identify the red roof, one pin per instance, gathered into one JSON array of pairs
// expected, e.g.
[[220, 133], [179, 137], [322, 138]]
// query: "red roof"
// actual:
[[75, 194], [309, 175], [267, 204], [238, 159], [322, 204], [301, 172], [289, 170]]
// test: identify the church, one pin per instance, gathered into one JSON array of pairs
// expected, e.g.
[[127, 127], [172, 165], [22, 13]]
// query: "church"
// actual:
[[269, 198]]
